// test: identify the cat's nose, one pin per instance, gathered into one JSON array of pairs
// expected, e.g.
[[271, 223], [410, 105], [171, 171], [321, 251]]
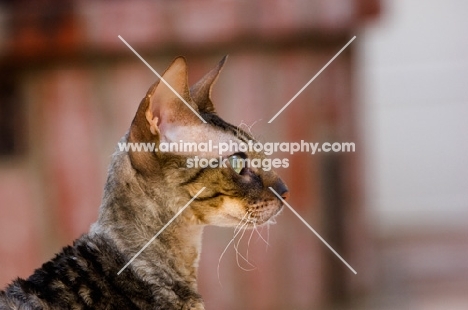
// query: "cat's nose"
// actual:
[[281, 189]]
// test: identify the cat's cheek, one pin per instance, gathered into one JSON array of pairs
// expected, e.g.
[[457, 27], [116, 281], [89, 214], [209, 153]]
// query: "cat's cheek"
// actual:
[[228, 213]]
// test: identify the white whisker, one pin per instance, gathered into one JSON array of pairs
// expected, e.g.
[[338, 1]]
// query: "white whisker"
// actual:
[[231, 241], [268, 236], [236, 247], [248, 243], [259, 233], [240, 223]]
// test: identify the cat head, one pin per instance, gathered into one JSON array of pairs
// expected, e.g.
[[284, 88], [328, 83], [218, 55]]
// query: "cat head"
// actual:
[[232, 194]]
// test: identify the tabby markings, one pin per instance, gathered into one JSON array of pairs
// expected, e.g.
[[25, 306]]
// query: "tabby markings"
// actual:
[[235, 130], [161, 230]]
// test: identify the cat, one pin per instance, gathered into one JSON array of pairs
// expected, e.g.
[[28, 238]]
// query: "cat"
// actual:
[[143, 192]]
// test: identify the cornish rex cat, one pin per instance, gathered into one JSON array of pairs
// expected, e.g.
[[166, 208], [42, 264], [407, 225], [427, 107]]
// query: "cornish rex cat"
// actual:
[[143, 192]]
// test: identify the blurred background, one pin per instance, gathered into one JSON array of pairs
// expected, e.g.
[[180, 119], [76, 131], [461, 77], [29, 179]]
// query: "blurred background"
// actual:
[[396, 209]]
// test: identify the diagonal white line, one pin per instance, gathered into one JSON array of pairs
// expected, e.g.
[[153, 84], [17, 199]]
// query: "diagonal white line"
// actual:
[[311, 80], [163, 80], [161, 230], [313, 230]]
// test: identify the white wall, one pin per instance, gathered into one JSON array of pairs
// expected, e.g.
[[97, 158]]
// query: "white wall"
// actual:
[[415, 115]]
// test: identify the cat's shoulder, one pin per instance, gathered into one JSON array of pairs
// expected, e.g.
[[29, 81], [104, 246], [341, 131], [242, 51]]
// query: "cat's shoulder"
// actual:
[[81, 274]]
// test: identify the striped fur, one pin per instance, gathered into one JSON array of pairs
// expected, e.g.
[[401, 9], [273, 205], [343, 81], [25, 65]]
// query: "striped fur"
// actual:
[[143, 192], [84, 276]]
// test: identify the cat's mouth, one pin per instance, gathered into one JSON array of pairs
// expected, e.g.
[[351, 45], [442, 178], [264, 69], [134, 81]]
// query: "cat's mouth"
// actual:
[[231, 212], [262, 212]]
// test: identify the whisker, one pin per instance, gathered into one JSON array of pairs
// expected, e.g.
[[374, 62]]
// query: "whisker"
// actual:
[[242, 219], [227, 246], [236, 247], [248, 243], [268, 235], [259, 233]]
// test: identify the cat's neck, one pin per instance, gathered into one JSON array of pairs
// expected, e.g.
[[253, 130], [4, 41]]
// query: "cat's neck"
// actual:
[[131, 218]]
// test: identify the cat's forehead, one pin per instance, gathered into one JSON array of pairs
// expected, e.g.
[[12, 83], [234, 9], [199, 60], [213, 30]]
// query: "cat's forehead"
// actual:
[[203, 133], [198, 133]]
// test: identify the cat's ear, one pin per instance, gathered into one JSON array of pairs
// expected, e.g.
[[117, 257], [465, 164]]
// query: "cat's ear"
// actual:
[[162, 108], [201, 91], [166, 106]]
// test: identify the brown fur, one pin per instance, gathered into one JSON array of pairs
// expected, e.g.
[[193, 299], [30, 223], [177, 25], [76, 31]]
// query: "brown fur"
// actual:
[[143, 192]]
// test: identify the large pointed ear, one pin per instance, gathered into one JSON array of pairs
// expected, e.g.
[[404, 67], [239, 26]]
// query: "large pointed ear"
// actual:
[[201, 91], [162, 108]]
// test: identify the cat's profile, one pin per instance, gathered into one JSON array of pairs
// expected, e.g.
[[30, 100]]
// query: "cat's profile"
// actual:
[[144, 190]]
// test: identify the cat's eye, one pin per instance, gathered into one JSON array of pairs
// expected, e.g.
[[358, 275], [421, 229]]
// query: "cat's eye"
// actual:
[[237, 163]]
